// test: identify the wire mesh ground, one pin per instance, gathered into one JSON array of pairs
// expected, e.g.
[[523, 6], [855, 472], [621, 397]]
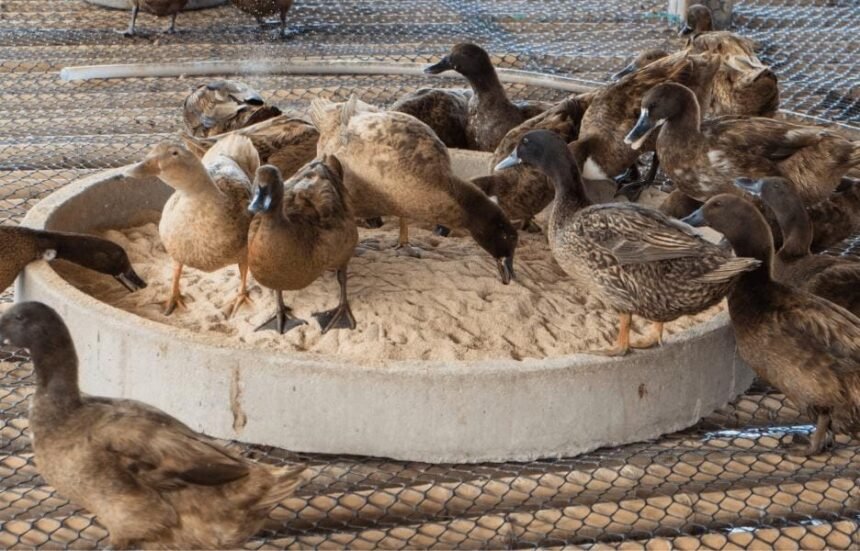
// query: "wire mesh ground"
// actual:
[[730, 481]]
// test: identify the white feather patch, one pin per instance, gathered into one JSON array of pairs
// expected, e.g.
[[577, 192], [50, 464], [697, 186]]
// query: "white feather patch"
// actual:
[[592, 171], [49, 254]]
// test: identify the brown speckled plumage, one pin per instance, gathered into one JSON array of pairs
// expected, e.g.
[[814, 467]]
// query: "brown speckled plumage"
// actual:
[[446, 111], [837, 217], [149, 479], [265, 8], [224, 105], [805, 346]]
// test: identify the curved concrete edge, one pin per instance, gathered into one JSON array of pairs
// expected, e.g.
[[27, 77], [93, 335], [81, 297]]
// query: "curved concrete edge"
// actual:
[[126, 4], [493, 410]]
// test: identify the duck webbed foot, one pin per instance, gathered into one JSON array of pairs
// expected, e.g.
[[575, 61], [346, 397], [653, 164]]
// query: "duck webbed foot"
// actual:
[[654, 337], [172, 28], [129, 32], [820, 440], [633, 189], [340, 317], [283, 320], [403, 245], [622, 343], [442, 231]]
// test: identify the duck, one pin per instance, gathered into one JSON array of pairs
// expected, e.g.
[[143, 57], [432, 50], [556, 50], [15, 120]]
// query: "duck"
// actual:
[[160, 8], [701, 37], [395, 164], [637, 260], [204, 224], [490, 113], [302, 228], [147, 477], [224, 105], [600, 148], [265, 8], [19, 246], [287, 141], [802, 344], [836, 218], [445, 110], [835, 278], [703, 158]]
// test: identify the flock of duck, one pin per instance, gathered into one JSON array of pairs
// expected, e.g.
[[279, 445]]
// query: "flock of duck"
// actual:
[[280, 194]]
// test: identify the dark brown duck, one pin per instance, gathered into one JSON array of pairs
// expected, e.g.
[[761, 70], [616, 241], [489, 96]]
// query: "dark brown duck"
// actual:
[[265, 8], [804, 345], [161, 8], [149, 479]]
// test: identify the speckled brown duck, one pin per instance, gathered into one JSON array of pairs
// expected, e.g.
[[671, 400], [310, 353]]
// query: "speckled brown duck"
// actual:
[[805, 346], [161, 8], [701, 37], [266, 8], [445, 110], [704, 158], [204, 224], [19, 246], [149, 479], [288, 141], [301, 229], [835, 278], [395, 165], [634, 259], [490, 113], [224, 105]]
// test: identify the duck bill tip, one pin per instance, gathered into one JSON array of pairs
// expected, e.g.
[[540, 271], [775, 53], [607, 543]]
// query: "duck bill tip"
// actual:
[[131, 281], [506, 269]]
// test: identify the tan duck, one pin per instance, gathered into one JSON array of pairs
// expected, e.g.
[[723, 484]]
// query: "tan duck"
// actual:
[[265, 8], [835, 278], [445, 110], [395, 165], [19, 246], [805, 346], [635, 259], [160, 8], [288, 141], [224, 105], [490, 113], [837, 217], [600, 149], [204, 224], [301, 229], [149, 479], [704, 158]]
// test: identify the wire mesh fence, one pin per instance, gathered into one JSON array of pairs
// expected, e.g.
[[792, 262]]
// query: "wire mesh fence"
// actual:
[[732, 480]]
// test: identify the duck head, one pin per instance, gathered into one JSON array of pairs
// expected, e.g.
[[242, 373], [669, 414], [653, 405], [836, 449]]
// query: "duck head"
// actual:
[[662, 103], [539, 148], [172, 164], [102, 256], [469, 60], [699, 20], [491, 229], [645, 58], [31, 325], [268, 190], [739, 221]]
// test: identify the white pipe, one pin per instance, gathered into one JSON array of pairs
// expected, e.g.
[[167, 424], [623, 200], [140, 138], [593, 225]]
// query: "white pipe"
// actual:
[[309, 67]]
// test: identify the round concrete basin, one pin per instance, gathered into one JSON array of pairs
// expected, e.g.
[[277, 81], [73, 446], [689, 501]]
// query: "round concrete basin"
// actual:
[[485, 410], [126, 4]]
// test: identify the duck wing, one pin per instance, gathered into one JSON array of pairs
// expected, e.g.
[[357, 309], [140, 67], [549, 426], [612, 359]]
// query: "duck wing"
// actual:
[[224, 105], [317, 194], [761, 137], [824, 329]]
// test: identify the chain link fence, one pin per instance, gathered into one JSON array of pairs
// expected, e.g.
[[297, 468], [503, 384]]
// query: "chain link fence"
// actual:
[[730, 481]]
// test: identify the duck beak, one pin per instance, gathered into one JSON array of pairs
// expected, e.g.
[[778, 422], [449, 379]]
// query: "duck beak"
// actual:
[[131, 281], [696, 219], [506, 268], [262, 200], [143, 169], [753, 187], [625, 71], [685, 30], [441, 67], [511, 160], [637, 136]]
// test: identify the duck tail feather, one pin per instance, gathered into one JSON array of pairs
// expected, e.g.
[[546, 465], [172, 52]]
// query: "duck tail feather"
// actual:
[[198, 146], [729, 269], [287, 480], [318, 110], [346, 113], [239, 148]]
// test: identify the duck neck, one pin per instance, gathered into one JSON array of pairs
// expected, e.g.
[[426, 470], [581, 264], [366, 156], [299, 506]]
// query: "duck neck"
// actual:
[[755, 242], [56, 365], [488, 87], [79, 249], [797, 232], [569, 193], [195, 181]]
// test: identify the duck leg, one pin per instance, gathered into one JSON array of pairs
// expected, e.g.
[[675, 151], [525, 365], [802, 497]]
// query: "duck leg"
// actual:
[[820, 437], [530, 226], [172, 28], [283, 320], [622, 343], [283, 31], [341, 317], [134, 11], [242, 297], [176, 298], [633, 190], [654, 338], [403, 241]]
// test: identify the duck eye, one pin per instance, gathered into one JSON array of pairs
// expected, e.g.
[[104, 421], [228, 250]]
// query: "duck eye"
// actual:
[[19, 317], [174, 153]]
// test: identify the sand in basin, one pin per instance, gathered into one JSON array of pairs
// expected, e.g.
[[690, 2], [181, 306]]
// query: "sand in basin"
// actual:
[[448, 305]]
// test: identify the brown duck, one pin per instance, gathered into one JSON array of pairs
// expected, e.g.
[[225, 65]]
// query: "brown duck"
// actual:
[[265, 8], [635, 259], [837, 217], [444, 110], [301, 229], [704, 158], [395, 165], [804, 345], [149, 479], [701, 37], [835, 278], [490, 113], [224, 105], [19, 246], [161, 8]]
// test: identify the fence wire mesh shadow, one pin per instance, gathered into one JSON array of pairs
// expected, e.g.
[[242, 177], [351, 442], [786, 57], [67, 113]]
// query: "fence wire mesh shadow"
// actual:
[[729, 481]]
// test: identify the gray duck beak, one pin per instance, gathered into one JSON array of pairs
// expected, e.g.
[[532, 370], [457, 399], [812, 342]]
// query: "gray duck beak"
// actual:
[[623, 72], [506, 269], [510, 161], [637, 136], [753, 187], [685, 30], [262, 200], [441, 67], [696, 219], [131, 281]]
